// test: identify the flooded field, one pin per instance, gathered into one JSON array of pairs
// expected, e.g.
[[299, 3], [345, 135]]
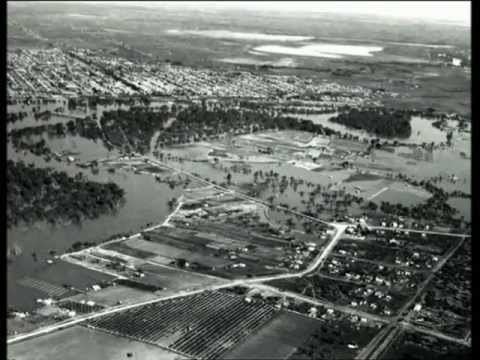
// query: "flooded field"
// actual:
[[146, 198], [146, 202], [464, 207]]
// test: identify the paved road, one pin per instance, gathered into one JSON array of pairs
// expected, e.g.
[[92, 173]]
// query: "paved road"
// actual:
[[384, 338], [312, 267], [327, 304], [435, 333], [392, 335], [71, 322], [384, 334], [237, 193]]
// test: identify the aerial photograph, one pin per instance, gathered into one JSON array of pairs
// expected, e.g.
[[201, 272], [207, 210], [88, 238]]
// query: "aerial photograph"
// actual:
[[238, 180]]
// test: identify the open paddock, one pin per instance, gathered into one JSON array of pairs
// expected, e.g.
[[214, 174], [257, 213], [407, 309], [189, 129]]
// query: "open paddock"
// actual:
[[240, 235], [193, 249], [126, 248], [63, 273], [291, 135], [348, 145], [150, 169], [80, 342], [155, 248], [175, 237], [283, 137], [368, 189], [334, 340], [357, 177], [173, 280], [193, 152], [404, 196], [278, 339], [111, 295]]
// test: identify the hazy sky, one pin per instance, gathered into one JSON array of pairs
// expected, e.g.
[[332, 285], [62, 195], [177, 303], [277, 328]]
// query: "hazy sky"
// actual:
[[457, 12], [448, 11]]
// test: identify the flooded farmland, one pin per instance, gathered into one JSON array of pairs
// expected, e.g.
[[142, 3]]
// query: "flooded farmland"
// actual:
[[146, 199]]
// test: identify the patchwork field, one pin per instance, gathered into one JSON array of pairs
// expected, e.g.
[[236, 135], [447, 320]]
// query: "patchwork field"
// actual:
[[219, 235]]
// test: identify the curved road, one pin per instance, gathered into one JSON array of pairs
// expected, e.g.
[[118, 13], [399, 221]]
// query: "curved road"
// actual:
[[318, 261]]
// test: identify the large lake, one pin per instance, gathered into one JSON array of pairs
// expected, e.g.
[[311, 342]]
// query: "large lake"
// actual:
[[233, 35], [335, 51]]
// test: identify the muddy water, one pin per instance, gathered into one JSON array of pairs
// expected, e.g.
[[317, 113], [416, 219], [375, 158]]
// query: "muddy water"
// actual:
[[146, 202], [422, 129]]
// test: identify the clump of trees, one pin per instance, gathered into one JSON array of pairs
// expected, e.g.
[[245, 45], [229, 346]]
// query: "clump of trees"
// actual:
[[196, 124], [43, 194], [132, 129], [377, 121], [17, 116]]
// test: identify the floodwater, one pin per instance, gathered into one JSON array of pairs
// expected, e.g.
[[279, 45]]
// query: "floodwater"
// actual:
[[335, 51], [146, 202], [422, 129], [464, 207], [146, 199], [233, 35], [65, 116]]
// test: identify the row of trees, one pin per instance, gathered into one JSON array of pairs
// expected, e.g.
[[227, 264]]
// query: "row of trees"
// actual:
[[134, 127]]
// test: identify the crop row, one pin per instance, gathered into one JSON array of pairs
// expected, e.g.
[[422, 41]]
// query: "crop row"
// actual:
[[203, 325]]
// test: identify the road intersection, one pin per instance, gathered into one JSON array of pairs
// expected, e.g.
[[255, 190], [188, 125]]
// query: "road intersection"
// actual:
[[394, 325]]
